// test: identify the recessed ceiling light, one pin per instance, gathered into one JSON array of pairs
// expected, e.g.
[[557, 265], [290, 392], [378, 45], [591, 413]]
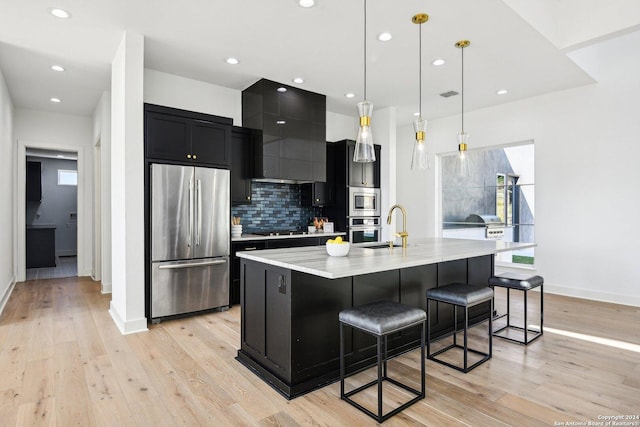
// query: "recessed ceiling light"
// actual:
[[502, 92], [306, 3], [232, 61], [57, 68], [437, 62], [280, 122], [384, 37], [56, 100], [60, 13], [282, 89], [349, 95], [298, 80]]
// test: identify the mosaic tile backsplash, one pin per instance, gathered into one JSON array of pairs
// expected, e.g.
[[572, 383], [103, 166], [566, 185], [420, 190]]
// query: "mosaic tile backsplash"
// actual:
[[275, 207]]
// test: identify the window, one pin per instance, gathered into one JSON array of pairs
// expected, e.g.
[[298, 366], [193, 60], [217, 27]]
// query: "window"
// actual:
[[501, 189], [67, 177]]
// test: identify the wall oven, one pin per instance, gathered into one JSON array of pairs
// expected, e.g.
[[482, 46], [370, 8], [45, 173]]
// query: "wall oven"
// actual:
[[365, 230], [364, 202]]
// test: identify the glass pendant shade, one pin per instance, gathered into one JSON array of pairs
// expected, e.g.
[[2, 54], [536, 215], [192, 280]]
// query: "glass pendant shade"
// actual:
[[364, 152], [420, 160], [463, 168]]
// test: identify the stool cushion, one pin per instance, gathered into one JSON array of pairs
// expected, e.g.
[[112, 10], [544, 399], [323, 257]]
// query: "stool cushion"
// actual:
[[460, 294], [516, 281], [383, 317]]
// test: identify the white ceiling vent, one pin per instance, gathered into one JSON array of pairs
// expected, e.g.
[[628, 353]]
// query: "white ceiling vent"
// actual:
[[448, 94]]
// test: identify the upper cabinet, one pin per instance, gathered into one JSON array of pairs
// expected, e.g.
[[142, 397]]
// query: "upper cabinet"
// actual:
[[187, 137], [243, 141], [34, 182], [293, 124], [363, 174]]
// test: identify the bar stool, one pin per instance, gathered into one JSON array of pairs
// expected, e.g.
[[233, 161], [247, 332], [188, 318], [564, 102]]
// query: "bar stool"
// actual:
[[524, 283], [466, 296], [381, 319]]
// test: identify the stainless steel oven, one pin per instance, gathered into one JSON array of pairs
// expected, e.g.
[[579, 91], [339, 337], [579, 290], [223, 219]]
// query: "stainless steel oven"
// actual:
[[364, 202], [365, 230]]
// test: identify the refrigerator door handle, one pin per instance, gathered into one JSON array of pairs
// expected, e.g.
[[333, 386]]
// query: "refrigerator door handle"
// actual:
[[199, 211], [190, 212], [192, 264]]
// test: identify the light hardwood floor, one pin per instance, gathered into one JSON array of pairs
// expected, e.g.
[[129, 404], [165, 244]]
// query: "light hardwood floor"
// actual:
[[63, 362]]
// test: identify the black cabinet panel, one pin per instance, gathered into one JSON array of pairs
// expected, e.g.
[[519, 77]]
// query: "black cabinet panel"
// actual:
[[277, 320], [242, 159], [210, 143], [364, 174], [253, 302], [41, 247], [414, 283], [34, 181], [167, 137], [187, 137], [235, 266]]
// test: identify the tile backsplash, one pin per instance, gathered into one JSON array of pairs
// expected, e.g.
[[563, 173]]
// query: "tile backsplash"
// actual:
[[274, 207]]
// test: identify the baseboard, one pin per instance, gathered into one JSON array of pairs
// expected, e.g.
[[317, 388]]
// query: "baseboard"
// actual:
[[593, 295], [7, 294], [105, 288], [130, 326], [67, 252]]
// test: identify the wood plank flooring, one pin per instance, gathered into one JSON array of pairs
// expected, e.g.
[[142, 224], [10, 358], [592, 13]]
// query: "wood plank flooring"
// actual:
[[63, 362]]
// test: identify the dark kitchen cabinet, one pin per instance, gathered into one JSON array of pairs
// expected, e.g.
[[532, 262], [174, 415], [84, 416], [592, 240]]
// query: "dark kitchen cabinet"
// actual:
[[41, 246], [187, 137], [364, 174], [235, 265], [322, 193], [242, 163], [34, 181]]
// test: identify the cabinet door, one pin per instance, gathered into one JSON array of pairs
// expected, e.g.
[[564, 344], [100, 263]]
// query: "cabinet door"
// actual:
[[414, 283], [34, 182], [166, 137], [277, 320], [448, 272], [242, 153], [364, 174], [235, 266], [210, 143]]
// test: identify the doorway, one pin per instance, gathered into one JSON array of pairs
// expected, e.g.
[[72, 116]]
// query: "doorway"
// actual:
[[69, 258]]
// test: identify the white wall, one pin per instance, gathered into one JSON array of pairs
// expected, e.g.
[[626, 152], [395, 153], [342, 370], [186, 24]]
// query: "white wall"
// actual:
[[127, 185], [192, 95], [102, 132], [586, 152], [7, 197], [41, 129]]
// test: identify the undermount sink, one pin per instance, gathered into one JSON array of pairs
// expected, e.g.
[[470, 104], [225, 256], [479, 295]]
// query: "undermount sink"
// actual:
[[386, 245]]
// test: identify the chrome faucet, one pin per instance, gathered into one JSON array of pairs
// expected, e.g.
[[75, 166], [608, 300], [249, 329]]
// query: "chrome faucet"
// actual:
[[404, 233]]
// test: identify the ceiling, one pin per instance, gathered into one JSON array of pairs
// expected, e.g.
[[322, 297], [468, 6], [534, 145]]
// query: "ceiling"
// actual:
[[279, 40]]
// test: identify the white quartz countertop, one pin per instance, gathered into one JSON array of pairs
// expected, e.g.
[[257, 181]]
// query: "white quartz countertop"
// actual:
[[362, 260], [286, 236]]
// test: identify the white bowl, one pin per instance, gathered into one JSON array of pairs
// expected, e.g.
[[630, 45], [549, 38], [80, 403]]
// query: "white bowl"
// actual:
[[338, 249]]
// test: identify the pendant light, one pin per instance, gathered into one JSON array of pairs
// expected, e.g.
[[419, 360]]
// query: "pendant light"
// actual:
[[419, 159], [462, 162], [364, 152]]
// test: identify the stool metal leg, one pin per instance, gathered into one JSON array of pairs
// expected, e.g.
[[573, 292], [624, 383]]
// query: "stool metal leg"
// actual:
[[526, 325], [466, 344], [422, 358], [380, 377], [341, 360], [508, 308], [541, 307], [491, 330]]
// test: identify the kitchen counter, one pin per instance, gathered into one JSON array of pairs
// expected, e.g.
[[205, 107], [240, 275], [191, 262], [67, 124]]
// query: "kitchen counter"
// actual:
[[245, 237], [363, 260], [291, 298]]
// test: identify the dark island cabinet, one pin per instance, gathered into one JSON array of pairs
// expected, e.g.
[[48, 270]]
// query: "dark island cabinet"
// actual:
[[290, 331], [242, 163], [187, 137]]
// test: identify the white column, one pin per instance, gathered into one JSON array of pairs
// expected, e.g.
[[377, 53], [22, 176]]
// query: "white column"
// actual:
[[383, 124], [127, 185]]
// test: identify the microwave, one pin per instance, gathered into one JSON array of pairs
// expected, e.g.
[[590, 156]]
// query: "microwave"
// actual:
[[364, 201]]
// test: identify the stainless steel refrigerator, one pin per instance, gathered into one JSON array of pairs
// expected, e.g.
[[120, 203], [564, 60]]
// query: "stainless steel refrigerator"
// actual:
[[190, 245]]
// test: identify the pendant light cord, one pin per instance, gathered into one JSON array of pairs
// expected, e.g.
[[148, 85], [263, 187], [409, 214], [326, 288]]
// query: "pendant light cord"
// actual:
[[365, 50], [420, 70], [462, 89]]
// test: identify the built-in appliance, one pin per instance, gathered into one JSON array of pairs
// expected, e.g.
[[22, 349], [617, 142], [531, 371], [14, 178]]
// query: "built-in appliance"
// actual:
[[365, 230], [364, 202], [190, 244], [494, 227]]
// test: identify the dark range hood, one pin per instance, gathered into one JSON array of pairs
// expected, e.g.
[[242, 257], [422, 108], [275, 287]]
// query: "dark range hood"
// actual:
[[293, 124]]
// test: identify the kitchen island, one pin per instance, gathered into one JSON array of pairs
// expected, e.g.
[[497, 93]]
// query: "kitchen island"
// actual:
[[290, 300]]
